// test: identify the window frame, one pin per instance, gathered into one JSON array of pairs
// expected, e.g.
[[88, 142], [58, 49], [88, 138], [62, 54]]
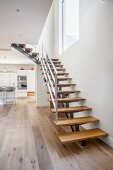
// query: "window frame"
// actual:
[[62, 29]]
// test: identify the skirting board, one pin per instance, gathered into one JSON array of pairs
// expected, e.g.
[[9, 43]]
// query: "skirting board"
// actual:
[[42, 105], [108, 140]]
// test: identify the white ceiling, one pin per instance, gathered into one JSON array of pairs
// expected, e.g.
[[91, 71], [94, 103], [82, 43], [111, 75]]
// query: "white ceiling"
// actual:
[[24, 26]]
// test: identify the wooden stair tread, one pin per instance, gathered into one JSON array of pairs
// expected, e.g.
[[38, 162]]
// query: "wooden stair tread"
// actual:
[[76, 121], [34, 54], [60, 74], [81, 135], [21, 45], [56, 62], [59, 69], [73, 109], [68, 91], [28, 50], [57, 65], [64, 78], [54, 59], [74, 99], [66, 85]]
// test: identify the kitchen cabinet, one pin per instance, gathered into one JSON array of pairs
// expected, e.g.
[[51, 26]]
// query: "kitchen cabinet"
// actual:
[[21, 93], [18, 80], [22, 72], [8, 79], [30, 82]]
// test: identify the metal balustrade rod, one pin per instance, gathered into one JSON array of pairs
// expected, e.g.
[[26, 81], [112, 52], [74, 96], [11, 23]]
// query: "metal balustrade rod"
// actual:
[[45, 76], [52, 89], [51, 93], [55, 70], [50, 81], [53, 101], [50, 72], [44, 71], [56, 89], [56, 97]]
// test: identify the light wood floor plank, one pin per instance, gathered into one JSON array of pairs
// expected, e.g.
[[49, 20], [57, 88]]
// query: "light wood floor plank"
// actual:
[[28, 141]]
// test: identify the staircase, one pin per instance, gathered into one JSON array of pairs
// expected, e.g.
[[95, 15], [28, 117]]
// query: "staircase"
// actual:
[[64, 99], [30, 53]]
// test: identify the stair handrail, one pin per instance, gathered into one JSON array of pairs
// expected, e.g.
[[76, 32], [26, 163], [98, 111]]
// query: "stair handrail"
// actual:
[[50, 75]]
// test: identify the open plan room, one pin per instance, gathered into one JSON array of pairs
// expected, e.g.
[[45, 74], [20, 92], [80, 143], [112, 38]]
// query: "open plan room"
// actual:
[[56, 83]]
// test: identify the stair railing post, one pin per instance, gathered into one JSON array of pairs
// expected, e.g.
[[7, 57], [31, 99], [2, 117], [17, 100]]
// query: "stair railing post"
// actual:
[[56, 96], [53, 89]]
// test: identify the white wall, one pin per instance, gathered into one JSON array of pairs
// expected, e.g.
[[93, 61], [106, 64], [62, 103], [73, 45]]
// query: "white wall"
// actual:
[[15, 67], [56, 28], [47, 34], [13, 57], [90, 61], [41, 89], [47, 40]]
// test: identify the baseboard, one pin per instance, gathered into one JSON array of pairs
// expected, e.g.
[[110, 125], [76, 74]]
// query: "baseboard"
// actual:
[[42, 104], [108, 140], [46, 105]]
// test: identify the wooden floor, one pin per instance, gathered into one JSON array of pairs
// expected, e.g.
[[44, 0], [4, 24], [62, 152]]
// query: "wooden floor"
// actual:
[[28, 141]]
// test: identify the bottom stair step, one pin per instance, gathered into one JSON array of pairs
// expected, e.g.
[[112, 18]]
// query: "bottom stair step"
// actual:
[[81, 135]]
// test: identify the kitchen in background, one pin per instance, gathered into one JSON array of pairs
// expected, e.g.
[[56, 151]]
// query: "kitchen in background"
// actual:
[[21, 78]]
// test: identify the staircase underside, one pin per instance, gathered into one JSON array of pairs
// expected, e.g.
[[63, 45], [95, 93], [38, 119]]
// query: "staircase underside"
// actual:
[[21, 49]]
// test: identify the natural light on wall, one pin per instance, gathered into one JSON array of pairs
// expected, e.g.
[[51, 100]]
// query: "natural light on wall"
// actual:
[[69, 23]]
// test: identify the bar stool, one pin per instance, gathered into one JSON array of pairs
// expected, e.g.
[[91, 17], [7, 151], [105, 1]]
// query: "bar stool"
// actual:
[[10, 94]]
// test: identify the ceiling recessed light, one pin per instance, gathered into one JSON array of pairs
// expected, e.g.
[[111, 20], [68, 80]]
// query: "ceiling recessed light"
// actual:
[[17, 10]]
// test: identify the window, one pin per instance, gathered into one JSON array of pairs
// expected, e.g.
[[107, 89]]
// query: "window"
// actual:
[[69, 23]]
